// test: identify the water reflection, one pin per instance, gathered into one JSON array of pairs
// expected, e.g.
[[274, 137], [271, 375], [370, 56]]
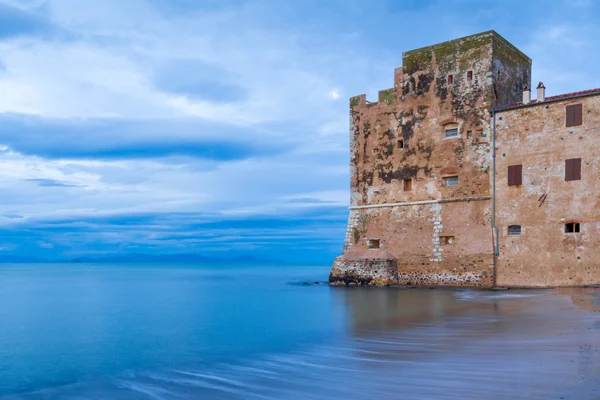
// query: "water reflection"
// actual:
[[585, 298], [461, 343], [373, 309]]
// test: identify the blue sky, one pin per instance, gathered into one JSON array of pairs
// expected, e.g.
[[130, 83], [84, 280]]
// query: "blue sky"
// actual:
[[219, 127]]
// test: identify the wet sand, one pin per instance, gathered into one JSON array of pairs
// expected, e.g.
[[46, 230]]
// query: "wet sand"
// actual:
[[451, 344]]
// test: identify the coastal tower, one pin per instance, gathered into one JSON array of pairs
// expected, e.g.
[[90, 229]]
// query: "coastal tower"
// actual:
[[421, 166]]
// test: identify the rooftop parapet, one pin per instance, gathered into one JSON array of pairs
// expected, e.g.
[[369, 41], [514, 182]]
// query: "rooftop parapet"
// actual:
[[412, 60], [451, 57]]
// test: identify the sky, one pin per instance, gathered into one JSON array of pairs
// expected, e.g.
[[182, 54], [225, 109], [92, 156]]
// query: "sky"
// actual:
[[220, 127]]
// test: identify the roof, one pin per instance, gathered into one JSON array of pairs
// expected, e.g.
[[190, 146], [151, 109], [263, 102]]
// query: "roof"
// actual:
[[493, 35], [565, 96]]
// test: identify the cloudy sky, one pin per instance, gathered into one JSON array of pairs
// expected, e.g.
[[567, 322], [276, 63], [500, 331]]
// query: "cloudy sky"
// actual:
[[220, 127]]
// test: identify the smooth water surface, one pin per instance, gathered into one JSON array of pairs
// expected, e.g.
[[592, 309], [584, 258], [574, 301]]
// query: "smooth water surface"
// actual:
[[79, 331]]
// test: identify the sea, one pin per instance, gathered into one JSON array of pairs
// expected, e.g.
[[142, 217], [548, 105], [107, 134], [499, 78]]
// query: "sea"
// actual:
[[167, 331]]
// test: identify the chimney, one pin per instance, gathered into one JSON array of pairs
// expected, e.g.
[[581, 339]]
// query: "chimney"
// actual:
[[541, 95], [526, 95]]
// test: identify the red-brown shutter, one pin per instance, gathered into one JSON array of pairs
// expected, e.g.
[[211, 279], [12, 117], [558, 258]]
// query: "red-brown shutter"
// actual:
[[577, 168], [574, 115], [578, 114], [515, 175], [573, 169], [570, 116]]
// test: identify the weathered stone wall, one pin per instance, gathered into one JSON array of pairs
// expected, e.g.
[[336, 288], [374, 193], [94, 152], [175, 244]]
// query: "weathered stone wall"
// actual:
[[415, 111], [511, 71], [536, 138], [415, 236]]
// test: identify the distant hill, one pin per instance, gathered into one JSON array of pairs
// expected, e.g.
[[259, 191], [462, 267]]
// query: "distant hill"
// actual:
[[19, 259]]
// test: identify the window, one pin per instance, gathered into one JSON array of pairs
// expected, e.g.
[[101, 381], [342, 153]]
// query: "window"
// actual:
[[445, 240], [514, 230], [573, 169], [450, 130], [450, 79], [450, 181], [400, 144], [469, 77], [572, 227], [515, 175], [574, 115], [373, 243], [469, 134], [499, 75], [407, 185]]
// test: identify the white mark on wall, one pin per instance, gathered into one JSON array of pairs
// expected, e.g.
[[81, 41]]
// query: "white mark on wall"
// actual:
[[436, 220]]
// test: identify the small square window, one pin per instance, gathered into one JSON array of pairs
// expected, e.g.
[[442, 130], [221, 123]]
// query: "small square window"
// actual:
[[450, 181], [400, 144], [469, 77], [450, 130], [572, 227], [514, 230], [373, 243], [446, 240], [407, 185], [450, 79]]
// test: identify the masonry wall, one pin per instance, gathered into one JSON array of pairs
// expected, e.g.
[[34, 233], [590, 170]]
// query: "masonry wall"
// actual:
[[543, 254], [415, 111]]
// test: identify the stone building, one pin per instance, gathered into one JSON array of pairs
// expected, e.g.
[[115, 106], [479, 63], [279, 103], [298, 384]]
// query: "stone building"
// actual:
[[458, 178]]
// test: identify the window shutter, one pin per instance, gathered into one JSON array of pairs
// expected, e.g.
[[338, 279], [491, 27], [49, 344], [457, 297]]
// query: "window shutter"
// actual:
[[577, 168], [574, 115], [573, 169], [515, 175], [519, 175], [570, 116], [578, 114]]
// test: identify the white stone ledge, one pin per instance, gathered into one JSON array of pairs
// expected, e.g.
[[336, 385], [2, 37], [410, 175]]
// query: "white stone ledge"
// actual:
[[418, 203]]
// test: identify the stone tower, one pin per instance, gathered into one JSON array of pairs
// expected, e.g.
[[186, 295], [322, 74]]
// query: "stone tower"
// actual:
[[421, 206]]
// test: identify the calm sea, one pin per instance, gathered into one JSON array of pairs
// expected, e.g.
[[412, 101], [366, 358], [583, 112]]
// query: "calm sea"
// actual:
[[79, 331]]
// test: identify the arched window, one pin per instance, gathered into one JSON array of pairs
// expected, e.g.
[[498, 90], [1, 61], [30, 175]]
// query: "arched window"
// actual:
[[450, 130]]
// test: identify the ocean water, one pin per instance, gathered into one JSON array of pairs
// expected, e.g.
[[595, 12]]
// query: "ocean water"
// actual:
[[78, 331]]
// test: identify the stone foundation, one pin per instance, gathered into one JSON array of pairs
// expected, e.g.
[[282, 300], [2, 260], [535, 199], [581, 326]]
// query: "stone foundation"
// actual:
[[466, 271], [364, 271]]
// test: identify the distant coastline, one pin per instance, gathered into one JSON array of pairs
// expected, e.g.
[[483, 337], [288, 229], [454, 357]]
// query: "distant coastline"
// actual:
[[146, 258]]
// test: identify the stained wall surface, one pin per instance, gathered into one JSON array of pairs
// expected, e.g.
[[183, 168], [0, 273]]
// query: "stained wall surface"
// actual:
[[537, 138]]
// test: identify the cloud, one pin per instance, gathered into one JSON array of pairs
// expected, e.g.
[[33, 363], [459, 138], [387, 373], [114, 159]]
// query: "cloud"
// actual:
[[51, 183], [209, 234], [145, 138], [100, 188]]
